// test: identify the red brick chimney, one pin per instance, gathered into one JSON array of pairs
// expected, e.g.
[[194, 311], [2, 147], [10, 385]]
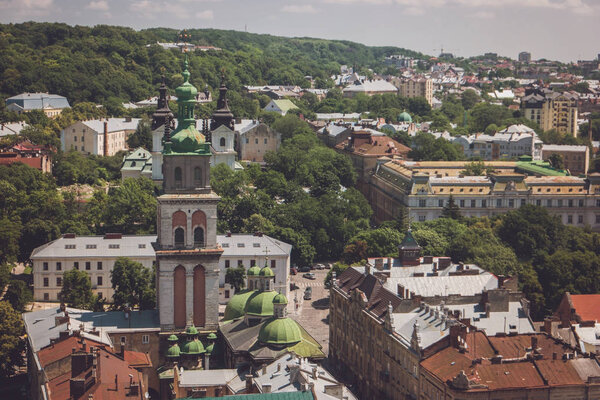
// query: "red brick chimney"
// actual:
[[105, 138]]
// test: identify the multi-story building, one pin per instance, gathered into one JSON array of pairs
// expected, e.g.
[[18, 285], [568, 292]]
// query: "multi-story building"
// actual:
[[254, 139], [50, 104], [551, 110], [369, 87], [364, 149], [137, 164], [94, 254], [25, 152], [425, 188], [576, 158], [384, 320], [100, 137], [417, 87], [525, 57]]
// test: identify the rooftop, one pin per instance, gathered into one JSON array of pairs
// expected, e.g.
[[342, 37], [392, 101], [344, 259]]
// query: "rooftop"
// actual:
[[587, 306], [114, 124]]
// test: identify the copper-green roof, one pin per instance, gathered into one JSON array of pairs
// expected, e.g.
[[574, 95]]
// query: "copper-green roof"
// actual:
[[193, 347], [211, 336], [539, 167], [404, 117], [191, 330], [173, 351], [172, 338], [236, 306], [280, 331], [280, 299], [409, 242], [261, 304], [253, 271], [266, 271]]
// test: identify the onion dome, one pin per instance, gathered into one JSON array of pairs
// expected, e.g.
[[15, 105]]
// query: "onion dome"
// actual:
[[173, 350], [209, 348], [266, 271], [404, 117], [191, 330], [253, 271], [193, 347], [172, 339], [237, 304], [280, 331], [212, 336], [261, 304], [280, 299]]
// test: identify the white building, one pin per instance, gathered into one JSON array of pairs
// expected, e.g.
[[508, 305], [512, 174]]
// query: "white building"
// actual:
[[137, 164], [92, 136], [280, 106]]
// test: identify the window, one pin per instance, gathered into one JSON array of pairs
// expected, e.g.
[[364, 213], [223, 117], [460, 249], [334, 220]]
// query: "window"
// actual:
[[473, 203], [498, 203], [58, 281], [247, 140], [569, 219], [90, 246], [597, 203], [46, 282], [598, 219], [440, 203], [227, 264], [265, 140], [240, 263], [113, 246], [178, 176], [197, 175], [256, 141], [179, 237], [422, 203], [45, 266], [82, 148], [99, 280], [523, 202], [76, 265], [141, 246], [511, 203], [570, 202], [560, 203], [273, 264], [99, 265], [198, 237], [46, 296], [69, 246], [100, 295], [88, 265], [145, 339], [123, 340], [581, 203], [252, 263], [74, 138], [462, 203], [580, 219], [422, 218], [222, 142], [241, 245], [549, 203], [255, 244], [225, 245], [538, 202], [59, 266], [227, 294]]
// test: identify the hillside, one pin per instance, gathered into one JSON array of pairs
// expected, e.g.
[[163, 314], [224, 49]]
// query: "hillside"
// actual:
[[110, 64]]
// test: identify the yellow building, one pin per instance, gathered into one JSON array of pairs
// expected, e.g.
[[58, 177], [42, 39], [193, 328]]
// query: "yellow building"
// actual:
[[101, 137], [417, 87], [552, 110]]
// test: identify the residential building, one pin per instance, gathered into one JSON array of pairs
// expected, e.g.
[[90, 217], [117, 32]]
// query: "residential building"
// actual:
[[222, 132], [280, 106], [525, 57], [25, 152], [254, 139], [379, 335], [369, 87], [94, 254], [11, 128], [334, 134], [200, 383], [50, 104], [577, 317], [425, 188], [137, 164], [250, 250], [551, 110], [338, 117], [576, 158], [364, 149], [509, 143], [100, 137], [417, 87], [127, 342]]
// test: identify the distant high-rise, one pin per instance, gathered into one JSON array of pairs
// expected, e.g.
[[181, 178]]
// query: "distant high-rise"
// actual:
[[525, 57]]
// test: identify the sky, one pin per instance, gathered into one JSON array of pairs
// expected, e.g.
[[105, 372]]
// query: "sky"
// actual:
[[565, 30]]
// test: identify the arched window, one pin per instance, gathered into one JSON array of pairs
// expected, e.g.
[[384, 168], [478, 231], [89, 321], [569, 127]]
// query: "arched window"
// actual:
[[222, 142], [197, 175], [179, 237], [198, 237], [178, 176]]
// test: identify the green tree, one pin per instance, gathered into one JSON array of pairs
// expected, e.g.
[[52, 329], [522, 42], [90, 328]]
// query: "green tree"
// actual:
[[477, 168], [11, 344], [18, 295], [131, 207], [76, 290], [382, 242], [355, 252], [469, 99], [133, 285], [142, 137], [556, 161], [235, 277], [427, 147], [337, 269], [451, 209]]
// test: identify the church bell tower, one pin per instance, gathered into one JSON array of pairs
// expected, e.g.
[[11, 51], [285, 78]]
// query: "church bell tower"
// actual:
[[187, 253]]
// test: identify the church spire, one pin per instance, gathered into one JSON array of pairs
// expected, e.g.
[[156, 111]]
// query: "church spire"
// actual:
[[223, 115], [163, 114]]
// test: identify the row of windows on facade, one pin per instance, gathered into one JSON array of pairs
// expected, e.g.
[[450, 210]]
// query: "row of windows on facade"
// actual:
[[179, 175], [198, 237], [240, 263], [88, 265], [423, 218], [110, 246], [46, 281], [511, 203]]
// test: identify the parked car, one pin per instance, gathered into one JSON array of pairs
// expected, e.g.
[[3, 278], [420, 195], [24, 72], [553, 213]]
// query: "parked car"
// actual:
[[319, 266], [308, 293], [304, 269], [328, 265], [309, 275]]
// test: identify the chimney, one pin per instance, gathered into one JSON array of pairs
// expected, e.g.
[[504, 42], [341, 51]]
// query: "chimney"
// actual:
[[105, 138], [264, 369], [534, 343], [314, 373], [266, 388], [249, 383], [501, 279], [367, 269], [554, 356]]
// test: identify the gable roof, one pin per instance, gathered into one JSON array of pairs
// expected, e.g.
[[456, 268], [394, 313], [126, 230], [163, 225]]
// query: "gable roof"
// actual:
[[587, 306], [284, 105]]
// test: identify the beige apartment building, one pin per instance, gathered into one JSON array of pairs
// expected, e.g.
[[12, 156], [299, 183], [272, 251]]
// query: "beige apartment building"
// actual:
[[100, 137], [576, 158], [254, 139], [552, 110], [417, 87]]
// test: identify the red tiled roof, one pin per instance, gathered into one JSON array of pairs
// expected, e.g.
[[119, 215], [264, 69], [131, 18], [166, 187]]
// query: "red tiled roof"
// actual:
[[508, 375], [558, 372], [587, 306], [137, 359], [515, 346], [63, 349]]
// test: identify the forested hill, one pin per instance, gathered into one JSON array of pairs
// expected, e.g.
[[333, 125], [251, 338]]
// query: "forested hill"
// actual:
[[110, 64]]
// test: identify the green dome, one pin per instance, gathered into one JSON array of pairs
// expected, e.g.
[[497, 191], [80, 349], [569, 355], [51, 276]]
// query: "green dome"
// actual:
[[236, 306], [280, 299], [279, 331], [253, 271], [404, 117], [266, 271], [261, 304], [173, 351], [209, 348], [191, 330], [186, 91], [172, 338], [187, 140], [211, 336], [193, 347]]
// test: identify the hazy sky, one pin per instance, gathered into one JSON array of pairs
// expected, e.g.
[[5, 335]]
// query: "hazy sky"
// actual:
[[565, 30]]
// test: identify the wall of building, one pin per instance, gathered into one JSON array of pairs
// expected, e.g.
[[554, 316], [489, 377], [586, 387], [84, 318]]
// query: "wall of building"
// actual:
[[256, 142]]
